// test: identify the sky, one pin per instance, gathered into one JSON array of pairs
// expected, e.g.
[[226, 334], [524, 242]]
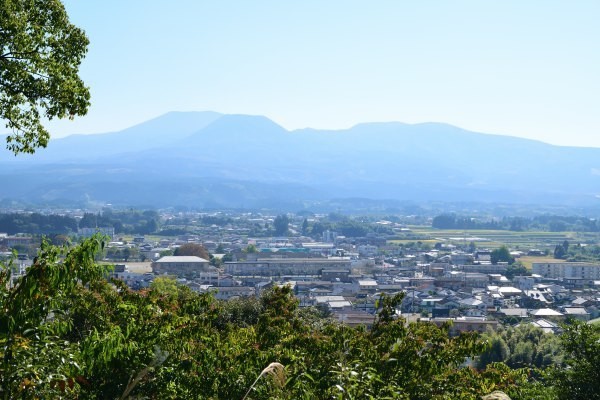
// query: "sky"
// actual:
[[513, 67]]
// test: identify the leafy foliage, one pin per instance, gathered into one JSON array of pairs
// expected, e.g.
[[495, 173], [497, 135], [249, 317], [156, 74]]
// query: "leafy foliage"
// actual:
[[501, 254], [581, 341], [36, 224], [40, 54], [522, 346], [67, 332], [281, 224], [192, 249]]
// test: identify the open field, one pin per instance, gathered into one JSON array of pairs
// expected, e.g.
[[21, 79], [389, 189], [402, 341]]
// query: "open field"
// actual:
[[527, 261], [486, 238], [404, 241]]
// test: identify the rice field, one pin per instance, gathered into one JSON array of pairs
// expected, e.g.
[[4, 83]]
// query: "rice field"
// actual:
[[492, 239]]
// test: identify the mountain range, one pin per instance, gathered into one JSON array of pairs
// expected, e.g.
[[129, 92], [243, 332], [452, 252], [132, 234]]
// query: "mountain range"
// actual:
[[213, 160]]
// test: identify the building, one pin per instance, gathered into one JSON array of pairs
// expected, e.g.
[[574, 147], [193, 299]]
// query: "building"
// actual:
[[229, 292], [286, 266], [571, 270], [180, 266], [11, 241], [329, 236], [463, 280], [485, 268], [367, 250], [335, 275]]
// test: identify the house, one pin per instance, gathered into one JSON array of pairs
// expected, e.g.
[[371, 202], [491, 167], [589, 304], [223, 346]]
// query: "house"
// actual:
[[577, 313], [354, 318], [509, 291], [582, 302], [536, 295], [544, 313], [228, 292], [514, 312], [546, 326], [365, 286]]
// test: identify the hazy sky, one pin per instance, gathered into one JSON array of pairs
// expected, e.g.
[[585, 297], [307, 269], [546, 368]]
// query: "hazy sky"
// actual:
[[522, 68]]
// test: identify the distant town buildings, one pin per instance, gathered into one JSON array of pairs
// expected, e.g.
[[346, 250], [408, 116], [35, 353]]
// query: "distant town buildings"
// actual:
[[285, 266], [89, 232]]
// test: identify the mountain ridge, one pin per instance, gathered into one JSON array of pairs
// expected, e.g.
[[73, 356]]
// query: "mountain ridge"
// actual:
[[379, 160]]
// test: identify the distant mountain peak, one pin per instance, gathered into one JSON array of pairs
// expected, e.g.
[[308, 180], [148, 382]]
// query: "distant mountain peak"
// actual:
[[239, 126], [249, 121]]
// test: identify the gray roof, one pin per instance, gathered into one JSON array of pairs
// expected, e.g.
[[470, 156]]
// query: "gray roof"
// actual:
[[181, 259], [576, 311]]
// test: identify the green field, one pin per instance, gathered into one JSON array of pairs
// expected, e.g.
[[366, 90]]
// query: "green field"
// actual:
[[495, 238]]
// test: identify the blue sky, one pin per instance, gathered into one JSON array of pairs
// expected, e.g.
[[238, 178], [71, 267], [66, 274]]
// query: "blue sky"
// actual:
[[522, 68]]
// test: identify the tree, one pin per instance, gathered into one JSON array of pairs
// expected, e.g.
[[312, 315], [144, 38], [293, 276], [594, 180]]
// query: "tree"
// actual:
[[472, 247], [317, 229], [166, 253], [501, 255], [523, 346], [281, 224], [192, 249], [40, 54], [581, 341], [497, 351], [559, 252], [151, 226], [250, 249], [34, 363], [164, 285], [516, 269]]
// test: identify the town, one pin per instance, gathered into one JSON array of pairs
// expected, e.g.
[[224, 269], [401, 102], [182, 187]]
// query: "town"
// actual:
[[479, 279]]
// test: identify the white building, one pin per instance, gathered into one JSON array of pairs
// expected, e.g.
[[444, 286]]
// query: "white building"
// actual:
[[573, 270]]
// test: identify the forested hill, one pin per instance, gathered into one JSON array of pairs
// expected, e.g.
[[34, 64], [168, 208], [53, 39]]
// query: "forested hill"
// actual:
[[207, 159]]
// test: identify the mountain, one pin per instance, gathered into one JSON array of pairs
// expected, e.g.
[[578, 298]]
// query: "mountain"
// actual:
[[206, 159], [154, 133]]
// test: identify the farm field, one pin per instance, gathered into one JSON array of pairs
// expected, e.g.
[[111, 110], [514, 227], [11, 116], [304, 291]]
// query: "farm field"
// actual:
[[495, 238], [527, 261]]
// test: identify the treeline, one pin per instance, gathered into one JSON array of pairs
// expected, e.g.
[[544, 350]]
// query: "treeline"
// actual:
[[37, 224], [67, 332], [128, 222], [549, 223], [577, 252], [346, 226]]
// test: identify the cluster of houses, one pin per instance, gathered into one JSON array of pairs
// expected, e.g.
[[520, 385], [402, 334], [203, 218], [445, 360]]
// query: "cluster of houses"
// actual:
[[346, 282]]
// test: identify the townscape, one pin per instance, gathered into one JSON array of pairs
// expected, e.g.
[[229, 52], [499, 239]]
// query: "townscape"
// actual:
[[299, 200], [344, 273]]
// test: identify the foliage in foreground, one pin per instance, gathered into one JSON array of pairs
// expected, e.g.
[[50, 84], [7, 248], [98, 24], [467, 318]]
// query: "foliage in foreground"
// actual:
[[65, 331], [39, 70]]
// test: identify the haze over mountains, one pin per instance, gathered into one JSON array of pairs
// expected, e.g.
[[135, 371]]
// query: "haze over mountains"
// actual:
[[207, 159]]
